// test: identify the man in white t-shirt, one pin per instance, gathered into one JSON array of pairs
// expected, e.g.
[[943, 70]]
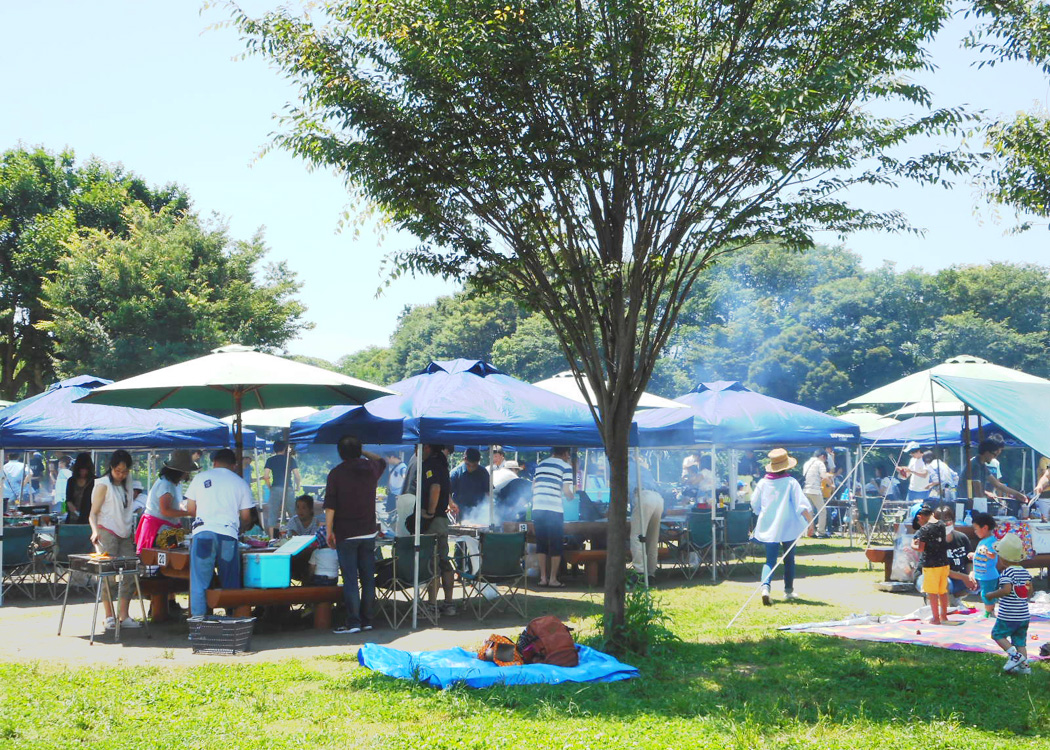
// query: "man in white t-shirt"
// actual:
[[219, 501], [916, 473]]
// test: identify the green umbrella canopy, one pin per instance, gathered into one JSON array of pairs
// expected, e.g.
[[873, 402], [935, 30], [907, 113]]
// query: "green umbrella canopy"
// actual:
[[233, 379]]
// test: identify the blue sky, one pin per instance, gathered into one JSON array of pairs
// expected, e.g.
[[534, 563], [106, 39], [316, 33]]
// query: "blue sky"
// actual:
[[149, 85]]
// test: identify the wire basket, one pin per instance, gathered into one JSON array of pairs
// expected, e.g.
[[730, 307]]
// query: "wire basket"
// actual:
[[221, 635]]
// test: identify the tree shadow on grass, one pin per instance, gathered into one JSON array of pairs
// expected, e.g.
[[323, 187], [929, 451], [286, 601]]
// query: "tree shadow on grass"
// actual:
[[779, 681]]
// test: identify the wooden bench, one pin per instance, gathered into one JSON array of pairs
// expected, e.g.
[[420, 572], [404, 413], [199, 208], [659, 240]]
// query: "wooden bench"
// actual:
[[159, 589], [593, 561], [241, 601]]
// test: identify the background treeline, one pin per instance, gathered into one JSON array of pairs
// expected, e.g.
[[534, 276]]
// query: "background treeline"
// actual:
[[815, 328], [101, 273]]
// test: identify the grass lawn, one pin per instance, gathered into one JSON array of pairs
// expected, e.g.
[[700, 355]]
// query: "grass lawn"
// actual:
[[750, 687]]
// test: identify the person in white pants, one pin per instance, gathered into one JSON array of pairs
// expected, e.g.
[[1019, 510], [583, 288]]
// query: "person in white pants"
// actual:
[[645, 521]]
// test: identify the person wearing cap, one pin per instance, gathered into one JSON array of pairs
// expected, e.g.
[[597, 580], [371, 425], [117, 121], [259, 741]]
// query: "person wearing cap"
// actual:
[[916, 473], [507, 472], [784, 513], [1012, 615], [470, 484]]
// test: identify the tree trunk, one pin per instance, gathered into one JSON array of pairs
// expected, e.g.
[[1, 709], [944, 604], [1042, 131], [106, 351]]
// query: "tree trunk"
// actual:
[[617, 448]]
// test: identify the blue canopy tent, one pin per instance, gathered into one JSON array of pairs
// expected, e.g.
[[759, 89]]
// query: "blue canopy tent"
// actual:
[[52, 420], [470, 402], [923, 430], [726, 413]]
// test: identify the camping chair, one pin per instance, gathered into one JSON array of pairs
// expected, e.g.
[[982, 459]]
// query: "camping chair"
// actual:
[[398, 585], [20, 560], [738, 546], [876, 525], [70, 539], [502, 565], [699, 542]]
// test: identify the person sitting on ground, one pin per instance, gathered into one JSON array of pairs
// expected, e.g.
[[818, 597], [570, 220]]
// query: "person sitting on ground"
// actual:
[[784, 513], [112, 532], [304, 521], [985, 574], [932, 543], [164, 506], [324, 567]]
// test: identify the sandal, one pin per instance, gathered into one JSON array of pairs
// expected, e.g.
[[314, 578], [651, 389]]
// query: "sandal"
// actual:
[[558, 585]]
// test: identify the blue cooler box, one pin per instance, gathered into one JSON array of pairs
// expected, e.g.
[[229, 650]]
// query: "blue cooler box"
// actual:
[[273, 570]]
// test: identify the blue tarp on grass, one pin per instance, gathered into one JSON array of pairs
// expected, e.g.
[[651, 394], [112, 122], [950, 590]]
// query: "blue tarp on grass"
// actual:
[[456, 666]]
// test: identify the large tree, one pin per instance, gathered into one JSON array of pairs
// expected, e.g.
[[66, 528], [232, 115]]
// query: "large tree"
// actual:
[[45, 198], [170, 290], [591, 158]]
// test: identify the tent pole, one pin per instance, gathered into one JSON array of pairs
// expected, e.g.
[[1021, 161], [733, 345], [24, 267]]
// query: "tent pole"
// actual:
[[419, 521], [734, 475], [586, 462], [714, 516], [636, 507], [492, 494], [966, 446], [258, 478], [282, 516], [238, 429], [853, 498]]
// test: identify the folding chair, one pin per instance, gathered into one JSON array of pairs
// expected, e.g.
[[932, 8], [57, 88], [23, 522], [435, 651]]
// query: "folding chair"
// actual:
[[699, 541], [738, 546], [399, 587], [502, 564], [20, 560], [70, 539], [876, 524]]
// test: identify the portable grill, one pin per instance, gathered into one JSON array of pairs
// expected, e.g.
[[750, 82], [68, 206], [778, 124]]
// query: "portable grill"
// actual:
[[102, 565]]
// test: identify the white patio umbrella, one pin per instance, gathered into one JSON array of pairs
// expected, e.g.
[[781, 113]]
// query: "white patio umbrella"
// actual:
[[564, 384], [916, 389], [867, 421], [233, 379]]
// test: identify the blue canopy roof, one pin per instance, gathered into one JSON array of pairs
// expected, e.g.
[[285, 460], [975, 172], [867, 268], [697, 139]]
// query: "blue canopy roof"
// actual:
[[51, 420], [727, 413], [1022, 409], [467, 402], [949, 431]]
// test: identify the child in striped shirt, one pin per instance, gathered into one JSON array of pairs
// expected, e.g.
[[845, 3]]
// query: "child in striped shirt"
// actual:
[[1011, 620]]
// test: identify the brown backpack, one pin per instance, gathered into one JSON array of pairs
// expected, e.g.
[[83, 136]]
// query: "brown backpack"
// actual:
[[547, 640]]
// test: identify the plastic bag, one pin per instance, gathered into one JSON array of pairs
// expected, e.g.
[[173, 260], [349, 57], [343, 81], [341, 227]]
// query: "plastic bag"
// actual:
[[905, 559]]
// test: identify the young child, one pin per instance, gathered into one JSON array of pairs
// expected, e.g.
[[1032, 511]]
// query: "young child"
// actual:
[[1011, 621], [304, 521], [985, 561], [932, 543], [324, 567]]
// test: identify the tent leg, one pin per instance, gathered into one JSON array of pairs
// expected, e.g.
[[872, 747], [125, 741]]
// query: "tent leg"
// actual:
[[419, 522], [714, 516]]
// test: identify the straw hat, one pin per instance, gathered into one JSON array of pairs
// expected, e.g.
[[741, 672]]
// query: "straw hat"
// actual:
[[1010, 548], [512, 465], [779, 460], [912, 447], [181, 461]]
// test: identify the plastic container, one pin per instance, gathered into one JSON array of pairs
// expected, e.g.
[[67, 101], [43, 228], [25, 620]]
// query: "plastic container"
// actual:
[[267, 570], [221, 635]]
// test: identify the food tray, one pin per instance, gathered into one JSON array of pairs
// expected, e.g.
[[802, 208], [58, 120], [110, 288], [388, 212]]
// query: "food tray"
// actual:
[[221, 635], [99, 565]]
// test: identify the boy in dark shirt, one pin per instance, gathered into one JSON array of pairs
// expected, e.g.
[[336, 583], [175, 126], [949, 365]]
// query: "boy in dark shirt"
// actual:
[[932, 543]]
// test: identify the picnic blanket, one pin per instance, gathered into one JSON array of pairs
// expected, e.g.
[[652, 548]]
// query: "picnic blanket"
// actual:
[[456, 666], [975, 633]]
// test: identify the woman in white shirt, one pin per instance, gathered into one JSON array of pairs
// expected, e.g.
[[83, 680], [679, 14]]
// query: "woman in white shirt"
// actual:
[[784, 514], [164, 505], [112, 508]]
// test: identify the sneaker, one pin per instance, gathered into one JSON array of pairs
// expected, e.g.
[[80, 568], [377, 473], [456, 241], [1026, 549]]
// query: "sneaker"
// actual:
[[766, 598], [111, 623], [1014, 661], [130, 623], [1026, 669], [366, 627], [790, 596], [449, 610], [347, 630]]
